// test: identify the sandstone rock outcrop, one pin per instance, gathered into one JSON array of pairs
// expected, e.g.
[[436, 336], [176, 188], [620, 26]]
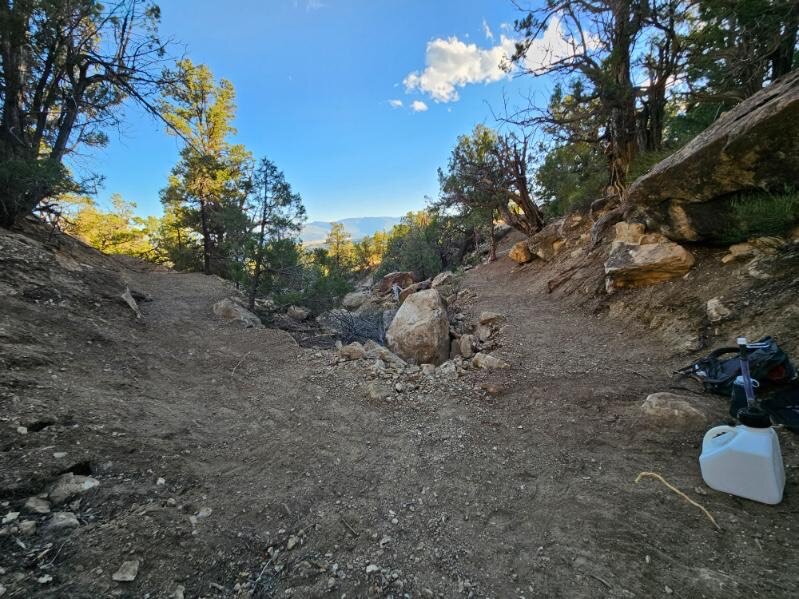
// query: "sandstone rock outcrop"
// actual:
[[755, 145], [520, 252], [419, 332], [638, 259]]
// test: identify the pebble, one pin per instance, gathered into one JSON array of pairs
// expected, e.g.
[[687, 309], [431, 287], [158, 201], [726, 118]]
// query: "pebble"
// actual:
[[59, 454], [127, 571], [10, 517], [44, 579], [62, 521], [204, 512], [22, 430], [27, 527], [372, 568], [292, 542], [37, 505]]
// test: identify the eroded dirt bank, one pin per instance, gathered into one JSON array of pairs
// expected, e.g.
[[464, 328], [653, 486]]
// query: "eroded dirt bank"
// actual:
[[278, 476]]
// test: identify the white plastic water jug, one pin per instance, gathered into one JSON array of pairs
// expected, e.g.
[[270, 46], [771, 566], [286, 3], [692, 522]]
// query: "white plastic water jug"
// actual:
[[745, 461]]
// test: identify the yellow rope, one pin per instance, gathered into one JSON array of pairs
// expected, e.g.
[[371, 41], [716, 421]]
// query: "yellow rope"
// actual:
[[680, 493]]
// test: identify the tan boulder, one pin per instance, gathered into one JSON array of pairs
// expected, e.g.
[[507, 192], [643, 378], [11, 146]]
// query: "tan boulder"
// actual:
[[739, 251], [411, 289], [672, 411], [488, 317], [229, 309], [520, 252], [419, 332], [442, 278], [547, 242], [298, 313], [403, 279], [640, 265], [354, 300], [353, 351], [488, 362]]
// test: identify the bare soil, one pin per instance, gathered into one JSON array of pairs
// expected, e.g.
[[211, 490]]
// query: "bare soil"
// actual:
[[282, 478]]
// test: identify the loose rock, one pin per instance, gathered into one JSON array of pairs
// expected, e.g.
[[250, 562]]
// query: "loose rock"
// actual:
[[672, 411], [488, 362], [353, 351], [230, 310], [127, 571], [419, 332], [71, 485], [37, 505], [62, 521]]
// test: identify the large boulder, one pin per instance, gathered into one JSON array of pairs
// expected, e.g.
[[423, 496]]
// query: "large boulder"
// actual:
[[520, 252], [638, 259], [403, 279], [354, 300], [755, 145], [231, 310], [411, 289], [547, 242], [419, 332]]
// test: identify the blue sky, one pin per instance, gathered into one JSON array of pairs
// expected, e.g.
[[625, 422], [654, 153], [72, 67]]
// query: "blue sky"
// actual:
[[315, 81]]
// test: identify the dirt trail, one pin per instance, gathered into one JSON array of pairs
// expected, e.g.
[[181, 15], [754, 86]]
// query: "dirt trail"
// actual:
[[315, 490]]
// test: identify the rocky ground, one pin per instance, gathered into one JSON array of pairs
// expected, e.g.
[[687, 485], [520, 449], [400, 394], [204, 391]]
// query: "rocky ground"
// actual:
[[181, 455]]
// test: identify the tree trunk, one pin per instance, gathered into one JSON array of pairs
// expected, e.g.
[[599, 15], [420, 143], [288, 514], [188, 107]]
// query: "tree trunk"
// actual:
[[493, 255], [206, 237], [259, 255]]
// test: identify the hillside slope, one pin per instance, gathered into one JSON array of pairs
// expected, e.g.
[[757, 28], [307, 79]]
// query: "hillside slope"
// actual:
[[232, 463]]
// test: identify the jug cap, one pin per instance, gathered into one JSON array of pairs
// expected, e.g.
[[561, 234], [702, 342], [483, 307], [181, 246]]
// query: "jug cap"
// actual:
[[754, 417]]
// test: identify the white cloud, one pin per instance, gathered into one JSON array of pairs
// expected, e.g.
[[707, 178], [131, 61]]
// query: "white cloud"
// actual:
[[487, 30], [395, 103], [418, 106], [452, 63]]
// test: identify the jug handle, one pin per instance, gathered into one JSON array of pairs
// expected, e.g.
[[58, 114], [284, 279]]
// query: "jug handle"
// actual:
[[717, 431]]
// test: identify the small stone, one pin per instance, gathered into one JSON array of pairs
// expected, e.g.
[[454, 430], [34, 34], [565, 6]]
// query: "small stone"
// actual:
[[59, 454], [178, 592], [44, 579], [483, 332], [488, 362], [399, 388], [127, 571], [22, 430], [204, 512], [353, 351], [372, 568], [62, 521], [292, 542], [27, 527], [487, 317], [716, 311], [160, 481], [69, 485], [376, 391], [10, 517], [428, 369], [668, 590]]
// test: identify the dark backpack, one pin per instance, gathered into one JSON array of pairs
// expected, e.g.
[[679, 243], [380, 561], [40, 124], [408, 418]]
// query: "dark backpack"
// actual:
[[769, 366]]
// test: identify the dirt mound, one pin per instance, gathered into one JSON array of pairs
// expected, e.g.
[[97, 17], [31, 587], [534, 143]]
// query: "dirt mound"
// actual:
[[232, 463]]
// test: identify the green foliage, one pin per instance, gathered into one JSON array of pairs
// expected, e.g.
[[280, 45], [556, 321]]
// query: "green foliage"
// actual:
[[66, 69], [414, 245], [115, 231], [570, 177], [208, 187], [25, 182], [754, 214]]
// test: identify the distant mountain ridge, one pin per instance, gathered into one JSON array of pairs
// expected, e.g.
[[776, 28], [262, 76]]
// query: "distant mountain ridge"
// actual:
[[315, 232]]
